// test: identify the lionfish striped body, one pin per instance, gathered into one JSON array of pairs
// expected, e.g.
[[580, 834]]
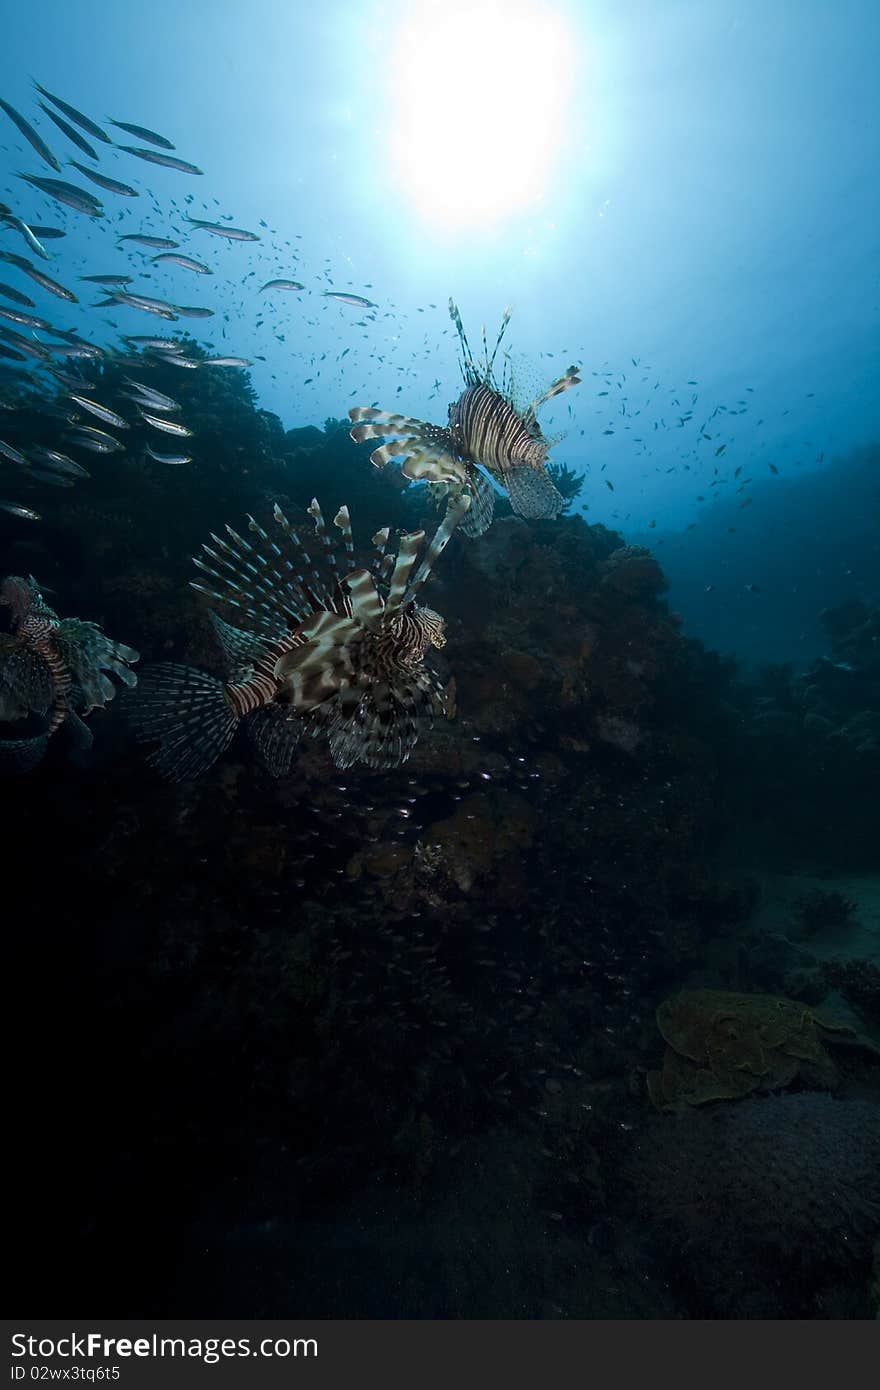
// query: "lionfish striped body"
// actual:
[[332, 650], [486, 430], [48, 667]]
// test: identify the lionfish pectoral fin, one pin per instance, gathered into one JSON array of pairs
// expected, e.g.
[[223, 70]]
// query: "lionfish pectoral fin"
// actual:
[[80, 733], [382, 729], [562, 383], [367, 604], [407, 553], [187, 712], [21, 755], [321, 665], [532, 494], [275, 735], [434, 465], [479, 516], [370, 423], [457, 508]]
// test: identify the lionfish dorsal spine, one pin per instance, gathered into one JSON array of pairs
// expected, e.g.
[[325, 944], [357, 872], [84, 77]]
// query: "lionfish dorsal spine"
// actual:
[[380, 551], [268, 589], [505, 320], [407, 553], [328, 548], [471, 375], [313, 581], [367, 604], [342, 520]]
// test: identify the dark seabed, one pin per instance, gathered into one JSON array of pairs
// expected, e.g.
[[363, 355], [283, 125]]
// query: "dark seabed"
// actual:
[[570, 1007]]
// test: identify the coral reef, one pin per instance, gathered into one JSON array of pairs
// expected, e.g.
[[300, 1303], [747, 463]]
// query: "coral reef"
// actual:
[[767, 1206], [820, 911], [721, 1046]]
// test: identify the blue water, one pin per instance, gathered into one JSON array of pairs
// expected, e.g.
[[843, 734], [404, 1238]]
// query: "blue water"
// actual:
[[681, 199], [705, 204]]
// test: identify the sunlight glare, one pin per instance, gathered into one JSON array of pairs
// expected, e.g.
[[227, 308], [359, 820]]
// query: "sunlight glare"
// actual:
[[479, 96]]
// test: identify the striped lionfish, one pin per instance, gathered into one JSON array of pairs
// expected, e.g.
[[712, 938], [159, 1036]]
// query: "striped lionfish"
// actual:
[[52, 667], [486, 430], [332, 651]]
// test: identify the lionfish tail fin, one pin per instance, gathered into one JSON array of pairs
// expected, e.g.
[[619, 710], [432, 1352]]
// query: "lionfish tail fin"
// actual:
[[187, 712], [532, 494]]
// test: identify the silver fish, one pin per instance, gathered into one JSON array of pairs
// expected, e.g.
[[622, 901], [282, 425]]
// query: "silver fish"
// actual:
[[16, 509], [356, 299], [176, 359], [227, 362], [31, 136], [76, 116], [165, 344], [111, 185], [16, 296], [68, 130], [54, 479], [167, 426], [76, 352], [109, 417], [28, 233], [187, 262], [170, 459], [159, 401], [22, 263], [113, 281], [67, 193], [158, 243], [47, 233], [26, 320], [221, 229], [87, 437], [28, 346], [12, 454], [143, 133], [145, 302], [167, 161], [53, 459], [73, 382], [281, 285], [193, 311]]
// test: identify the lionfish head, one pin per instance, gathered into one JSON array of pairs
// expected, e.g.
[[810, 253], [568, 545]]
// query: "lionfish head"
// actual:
[[22, 596], [414, 630], [432, 625]]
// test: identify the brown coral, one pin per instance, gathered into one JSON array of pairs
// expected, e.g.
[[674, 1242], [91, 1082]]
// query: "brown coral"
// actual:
[[722, 1045]]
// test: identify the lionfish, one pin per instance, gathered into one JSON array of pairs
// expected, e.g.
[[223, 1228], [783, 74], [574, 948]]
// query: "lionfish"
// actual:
[[331, 650], [486, 430], [52, 667]]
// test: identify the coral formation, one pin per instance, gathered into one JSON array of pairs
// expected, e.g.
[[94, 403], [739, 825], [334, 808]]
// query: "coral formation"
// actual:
[[722, 1045], [785, 1184]]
